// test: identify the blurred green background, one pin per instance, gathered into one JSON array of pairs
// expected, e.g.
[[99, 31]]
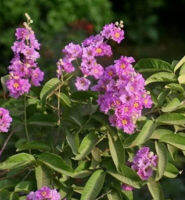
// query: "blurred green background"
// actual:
[[153, 28]]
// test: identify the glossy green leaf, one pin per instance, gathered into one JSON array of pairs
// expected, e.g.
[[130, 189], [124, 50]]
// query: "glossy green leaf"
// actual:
[[172, 105], [171, 171], [42, 176], [179, 64], [113, 195], [65, 99], [142, 137], [116, 150], [174, 139], [162, 159], [158, 133], [56, 163], [73, 141], [48, 88], [155, 189], [181, 79], [171, 119], [153, 65], [161, 77], [93, 186], [17, 160], [86, 145], [32, 145], [128, 176]]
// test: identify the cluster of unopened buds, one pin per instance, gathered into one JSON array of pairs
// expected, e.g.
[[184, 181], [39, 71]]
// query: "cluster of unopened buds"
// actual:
[[23, 70], [45, 193], [143, 163], [122, 90]]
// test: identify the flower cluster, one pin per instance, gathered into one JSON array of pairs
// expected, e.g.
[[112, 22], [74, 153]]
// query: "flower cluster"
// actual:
[[144, 162], [87, 53], [23, 67], [45, 193], [122, 90], [5, 120], [123, 94]]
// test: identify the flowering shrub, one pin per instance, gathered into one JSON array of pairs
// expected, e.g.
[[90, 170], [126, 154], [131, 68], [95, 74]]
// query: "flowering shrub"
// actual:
[[98, 130]]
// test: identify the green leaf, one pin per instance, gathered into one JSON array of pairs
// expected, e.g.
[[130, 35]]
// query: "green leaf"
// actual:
[[116, 150], [65, 99], [86, 145], [153, 65], [181, 79], [23, 186], [128, 195], [93, 186], [73, 141], [56, 163], [174, 139], [142, 137], [128, 176], [18, 160], [175, 87], [32, 145], [182, 69], [48, 88], [179, 64], [113, 195], [155, 189], [171, 171], [81, 174], [42, 176], [161, 77], [162, 159], [7, 183], [172, 105], [171, 119], [158, 133]]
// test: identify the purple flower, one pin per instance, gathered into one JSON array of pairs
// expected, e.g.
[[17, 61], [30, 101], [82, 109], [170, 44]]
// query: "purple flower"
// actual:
[[45, 193], [127, 187], [37, 76], [18, 86], [82, 83], [73, 51], [5, 120], [23, 68], [144, 162]]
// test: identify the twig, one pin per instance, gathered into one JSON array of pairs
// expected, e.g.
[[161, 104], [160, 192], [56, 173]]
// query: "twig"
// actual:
[[6, 142], [103, 195]]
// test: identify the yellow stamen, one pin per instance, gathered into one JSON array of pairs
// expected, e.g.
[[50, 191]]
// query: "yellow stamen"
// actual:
[[146, 101], [124, 122], [122, 66], [126, 109], [117, 35], [43, 194], [98, 50], [16, 85], [136, 105], [110, 73]]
